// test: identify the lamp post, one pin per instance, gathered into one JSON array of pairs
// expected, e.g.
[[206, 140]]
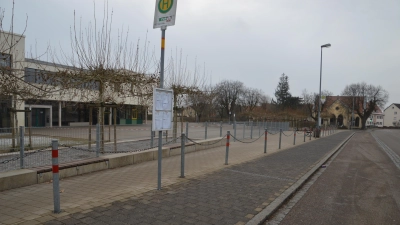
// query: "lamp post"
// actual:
[[319, 97]]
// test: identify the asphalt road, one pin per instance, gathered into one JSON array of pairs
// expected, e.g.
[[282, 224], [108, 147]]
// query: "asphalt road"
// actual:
[[359, 186], [390, 137]]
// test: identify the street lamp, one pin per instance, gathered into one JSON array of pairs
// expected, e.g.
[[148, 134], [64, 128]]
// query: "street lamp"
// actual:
[[319, 98]]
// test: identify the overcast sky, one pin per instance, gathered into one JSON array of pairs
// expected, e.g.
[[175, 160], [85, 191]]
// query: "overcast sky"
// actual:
[[253, 41]]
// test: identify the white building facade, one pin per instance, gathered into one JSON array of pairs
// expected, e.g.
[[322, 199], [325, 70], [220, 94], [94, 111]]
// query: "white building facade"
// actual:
[[67, 109], [392, 115]]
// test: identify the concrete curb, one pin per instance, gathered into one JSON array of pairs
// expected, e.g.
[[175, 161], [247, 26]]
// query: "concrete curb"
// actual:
[[261, 217]]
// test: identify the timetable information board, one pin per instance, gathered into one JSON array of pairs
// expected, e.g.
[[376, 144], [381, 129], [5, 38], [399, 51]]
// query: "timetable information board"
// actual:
[[162, 109]]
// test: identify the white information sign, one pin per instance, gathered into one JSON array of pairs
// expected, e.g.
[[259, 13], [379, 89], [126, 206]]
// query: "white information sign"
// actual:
[[165, 13], [323, 99], [162, 109]]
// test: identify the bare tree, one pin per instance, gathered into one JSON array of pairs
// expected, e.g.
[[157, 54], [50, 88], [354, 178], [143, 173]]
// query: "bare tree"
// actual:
[[250, 99], [183, 82], [103, 69], [227, 97], [367, 98], [201, 102], [310, 102], [15, 84]]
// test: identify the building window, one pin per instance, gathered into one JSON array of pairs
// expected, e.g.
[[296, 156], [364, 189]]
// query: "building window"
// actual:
[[395, 113], [5, 60], [394, 118], [37, 76]]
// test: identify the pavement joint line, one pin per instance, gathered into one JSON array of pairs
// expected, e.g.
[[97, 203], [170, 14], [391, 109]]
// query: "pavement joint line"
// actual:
[[392, 155], [261, 217], [259, 175]]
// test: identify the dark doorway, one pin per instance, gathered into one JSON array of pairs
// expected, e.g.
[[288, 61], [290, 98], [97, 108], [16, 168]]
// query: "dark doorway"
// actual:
[[340, 120], [332, 120], [357, 122], [38, 117]]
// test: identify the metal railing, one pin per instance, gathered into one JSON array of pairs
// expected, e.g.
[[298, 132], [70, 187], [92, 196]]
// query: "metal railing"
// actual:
[[80, 143]]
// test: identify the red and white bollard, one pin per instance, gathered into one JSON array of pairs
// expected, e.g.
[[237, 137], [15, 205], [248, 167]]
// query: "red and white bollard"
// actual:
[[56, 176], [228, 136]]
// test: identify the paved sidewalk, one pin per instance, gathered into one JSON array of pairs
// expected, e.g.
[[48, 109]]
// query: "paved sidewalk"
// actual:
[[211, 193]]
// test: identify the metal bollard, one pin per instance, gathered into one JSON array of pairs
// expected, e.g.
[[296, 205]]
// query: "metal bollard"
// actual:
[[97, 139], [21, 146], [280, 138], [56, 177], [304, 135], [234, 131], [183, 155], [294, 138], [244, 129], [205, 134], [265, 141], [310, 134], [187, 131], [251, 131], [152, 137], [227, 147], [220, 129]]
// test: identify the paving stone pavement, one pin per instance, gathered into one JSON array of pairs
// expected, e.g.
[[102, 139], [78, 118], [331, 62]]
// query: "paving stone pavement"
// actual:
[[231, 195]]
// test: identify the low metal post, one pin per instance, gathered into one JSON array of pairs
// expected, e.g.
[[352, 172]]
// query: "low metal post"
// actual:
[[244, 128], [220, 129], [265, 140], [205, 133], [294, 138], [311, 131], [234, 131], [251, 131], [187, 131], [183, 155], [97, 139], [228, 136], [21, 146], [280, 138], [152, 137], [304, 136], [56, 177], [259, 128]]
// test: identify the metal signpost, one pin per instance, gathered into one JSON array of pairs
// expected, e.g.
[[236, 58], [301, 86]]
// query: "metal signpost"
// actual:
[[165, 14]]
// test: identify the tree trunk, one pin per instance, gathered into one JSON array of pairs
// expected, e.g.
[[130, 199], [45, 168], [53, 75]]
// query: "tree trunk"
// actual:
[[175, 126], [181, 121], [101, 116], [146, 111], [12, 126], [363, 120]]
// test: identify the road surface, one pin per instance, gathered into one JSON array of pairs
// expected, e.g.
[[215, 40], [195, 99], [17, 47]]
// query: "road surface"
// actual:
[[358, 186]]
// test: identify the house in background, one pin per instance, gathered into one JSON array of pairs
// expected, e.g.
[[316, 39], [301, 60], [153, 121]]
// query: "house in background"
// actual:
[[376, 119], [392, 115], [337, 111]]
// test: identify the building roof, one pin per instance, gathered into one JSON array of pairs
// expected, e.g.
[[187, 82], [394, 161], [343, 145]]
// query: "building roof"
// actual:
[[346, 101], [395, 104]]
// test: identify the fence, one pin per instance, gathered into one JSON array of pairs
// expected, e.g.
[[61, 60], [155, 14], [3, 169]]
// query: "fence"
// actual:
[[82, 143]]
